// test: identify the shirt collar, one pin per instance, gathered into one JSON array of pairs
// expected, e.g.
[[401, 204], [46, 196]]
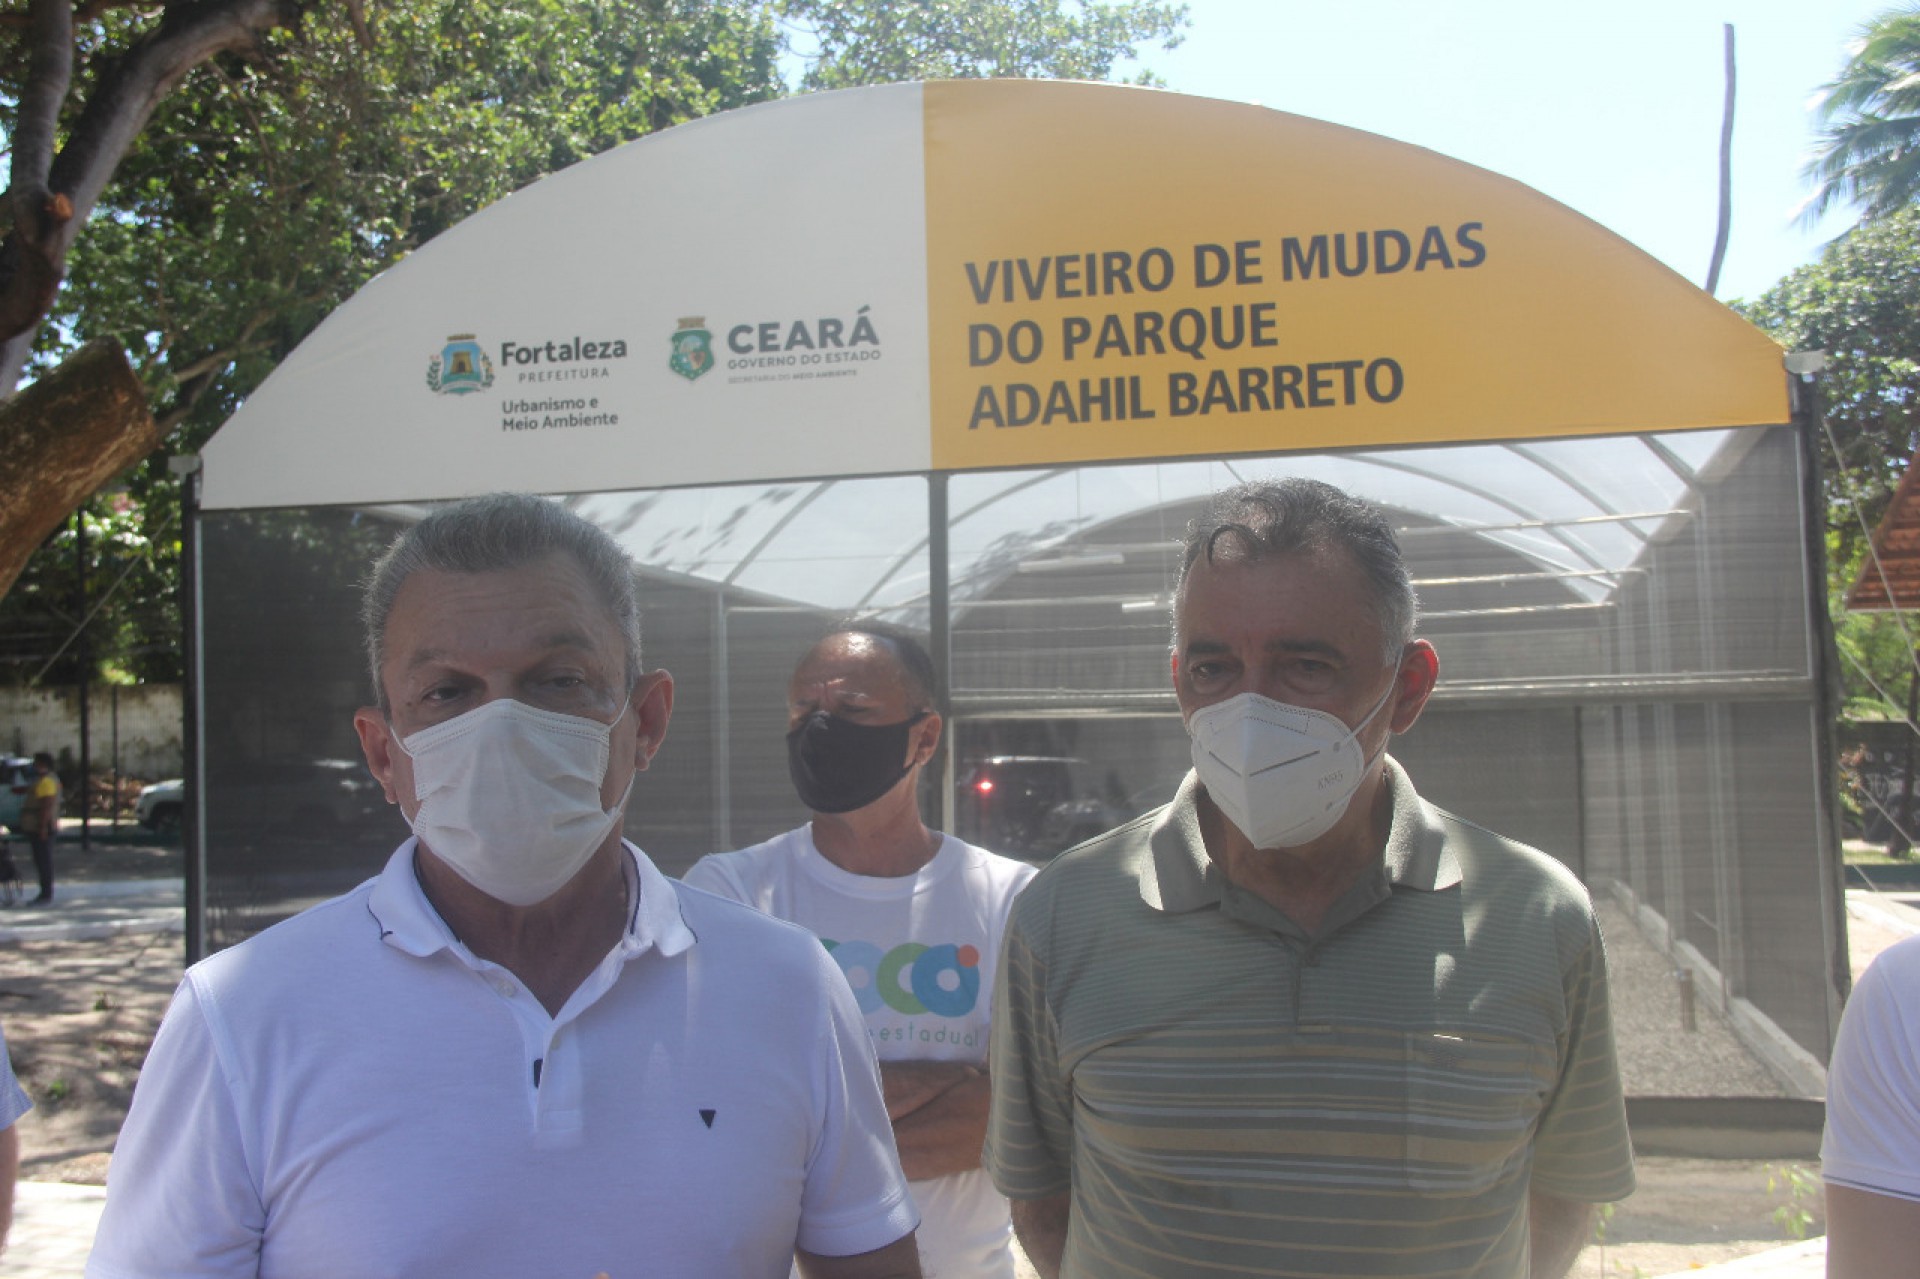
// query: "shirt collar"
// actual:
[[1418, 854], [1177, 875], [408, 921]]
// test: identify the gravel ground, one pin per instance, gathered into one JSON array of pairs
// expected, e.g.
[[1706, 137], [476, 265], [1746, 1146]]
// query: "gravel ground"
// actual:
[[1657, 1057]]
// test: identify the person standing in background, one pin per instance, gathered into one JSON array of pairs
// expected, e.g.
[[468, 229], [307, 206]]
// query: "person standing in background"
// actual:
[[913, 917], [40, 818]]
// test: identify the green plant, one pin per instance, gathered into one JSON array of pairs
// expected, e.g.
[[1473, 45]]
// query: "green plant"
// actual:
[[1801, 1185], [59, 1090], [100, 1001], [1602, 1219]]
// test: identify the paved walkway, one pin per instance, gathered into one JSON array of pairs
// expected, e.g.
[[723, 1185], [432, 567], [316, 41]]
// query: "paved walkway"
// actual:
[[52, 1230], [104, 909], [1897, 911], [53, 1224]]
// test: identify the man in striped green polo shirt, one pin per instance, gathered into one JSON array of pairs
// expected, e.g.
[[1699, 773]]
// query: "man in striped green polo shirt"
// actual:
[[1299, 1022]]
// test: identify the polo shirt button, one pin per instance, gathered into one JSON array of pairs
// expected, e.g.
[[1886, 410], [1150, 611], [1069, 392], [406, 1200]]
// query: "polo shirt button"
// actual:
[[505, 988]]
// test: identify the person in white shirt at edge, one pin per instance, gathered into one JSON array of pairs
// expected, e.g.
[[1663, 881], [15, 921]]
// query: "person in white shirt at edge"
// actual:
[[1870, 1154], [912, 916], [520, 1050]]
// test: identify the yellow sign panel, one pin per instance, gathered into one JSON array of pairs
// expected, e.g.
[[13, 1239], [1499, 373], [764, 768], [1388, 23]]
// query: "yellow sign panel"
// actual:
[[1119, 273]]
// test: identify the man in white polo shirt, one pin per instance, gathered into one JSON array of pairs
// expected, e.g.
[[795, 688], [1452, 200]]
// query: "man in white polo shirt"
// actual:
[[912, 916], [520, 1050]]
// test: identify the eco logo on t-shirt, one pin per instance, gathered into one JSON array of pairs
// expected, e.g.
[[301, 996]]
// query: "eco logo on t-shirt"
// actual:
[[911, 978]]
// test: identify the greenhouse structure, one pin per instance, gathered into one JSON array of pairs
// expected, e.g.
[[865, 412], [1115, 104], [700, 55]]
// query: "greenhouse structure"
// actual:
[[968, 357]]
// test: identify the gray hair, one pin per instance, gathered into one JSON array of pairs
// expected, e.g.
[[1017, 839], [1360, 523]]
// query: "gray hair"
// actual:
[[1279, 517], [491, 534]]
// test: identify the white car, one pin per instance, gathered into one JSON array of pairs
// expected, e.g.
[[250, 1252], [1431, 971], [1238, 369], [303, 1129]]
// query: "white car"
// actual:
[[16, 780], [159, 805]]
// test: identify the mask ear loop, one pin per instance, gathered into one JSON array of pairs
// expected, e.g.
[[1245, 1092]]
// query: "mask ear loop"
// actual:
[[627, 794], [1367, 719], [393, 735], [912, 720]]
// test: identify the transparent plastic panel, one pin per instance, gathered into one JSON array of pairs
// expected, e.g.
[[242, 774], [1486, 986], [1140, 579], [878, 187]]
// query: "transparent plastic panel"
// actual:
[[1626, 683]]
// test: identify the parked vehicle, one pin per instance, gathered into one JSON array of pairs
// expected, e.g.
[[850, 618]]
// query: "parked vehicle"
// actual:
[[307, 797], [16, 780], [1033, 806], [159, 806]]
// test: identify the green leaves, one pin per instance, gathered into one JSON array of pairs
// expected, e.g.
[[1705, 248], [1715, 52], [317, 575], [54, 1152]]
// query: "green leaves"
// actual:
[[853, 42], [131, 563], [268, 187], [265, 191], [1869, 152], [1861, 304]]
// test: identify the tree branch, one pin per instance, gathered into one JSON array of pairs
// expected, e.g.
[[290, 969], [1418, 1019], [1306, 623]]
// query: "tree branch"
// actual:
[[29, 262], [52, 205], [127, 94], [22, 20], [49, 75], [70, 431]]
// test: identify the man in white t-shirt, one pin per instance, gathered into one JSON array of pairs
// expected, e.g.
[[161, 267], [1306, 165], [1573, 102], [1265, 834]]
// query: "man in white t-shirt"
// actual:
[[1870, 1157], [912, 916], [520, 1050]]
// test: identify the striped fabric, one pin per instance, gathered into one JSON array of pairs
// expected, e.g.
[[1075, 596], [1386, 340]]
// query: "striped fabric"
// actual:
[[1225, 1095]]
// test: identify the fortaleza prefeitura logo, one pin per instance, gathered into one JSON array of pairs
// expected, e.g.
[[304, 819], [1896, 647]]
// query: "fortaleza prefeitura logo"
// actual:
[[461, 368]]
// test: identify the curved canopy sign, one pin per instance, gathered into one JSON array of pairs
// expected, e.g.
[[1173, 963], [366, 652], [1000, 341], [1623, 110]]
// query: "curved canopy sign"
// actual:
[[979, 274]]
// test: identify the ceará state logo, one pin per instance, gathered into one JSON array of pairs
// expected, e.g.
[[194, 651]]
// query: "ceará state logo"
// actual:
[[777, 344]]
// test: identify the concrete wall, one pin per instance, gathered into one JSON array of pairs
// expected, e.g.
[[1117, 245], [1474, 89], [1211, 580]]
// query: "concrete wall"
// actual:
[[48, 719]]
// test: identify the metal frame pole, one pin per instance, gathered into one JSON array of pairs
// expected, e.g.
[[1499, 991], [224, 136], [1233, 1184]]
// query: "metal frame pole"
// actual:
[[1808, 415], [940, 639], [193, 826]]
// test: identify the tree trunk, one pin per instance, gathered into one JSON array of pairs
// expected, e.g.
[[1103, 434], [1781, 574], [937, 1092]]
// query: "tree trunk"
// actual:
[[52, 194], [62, 438]]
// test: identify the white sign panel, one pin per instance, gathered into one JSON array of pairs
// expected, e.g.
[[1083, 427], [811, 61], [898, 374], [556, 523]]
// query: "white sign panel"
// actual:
[[737, 297], [978, 274]]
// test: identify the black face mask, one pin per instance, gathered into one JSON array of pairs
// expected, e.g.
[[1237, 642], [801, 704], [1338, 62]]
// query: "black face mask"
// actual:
[[838, 765]]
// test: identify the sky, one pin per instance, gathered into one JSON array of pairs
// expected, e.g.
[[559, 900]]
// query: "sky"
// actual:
[[1612, 109]]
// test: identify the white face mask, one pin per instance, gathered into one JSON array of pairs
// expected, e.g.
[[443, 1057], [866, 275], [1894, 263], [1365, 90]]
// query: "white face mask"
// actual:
[[510, 796], [1283, 774]]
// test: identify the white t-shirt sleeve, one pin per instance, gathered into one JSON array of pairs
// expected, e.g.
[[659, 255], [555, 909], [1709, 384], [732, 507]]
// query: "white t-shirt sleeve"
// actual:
[[714, 873], [1872, 1139], [13, 1099], [856, 1197], [181, 1199]]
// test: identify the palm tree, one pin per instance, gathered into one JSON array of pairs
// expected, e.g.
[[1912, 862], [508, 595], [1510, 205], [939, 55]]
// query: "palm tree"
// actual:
[[1869, 151]]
